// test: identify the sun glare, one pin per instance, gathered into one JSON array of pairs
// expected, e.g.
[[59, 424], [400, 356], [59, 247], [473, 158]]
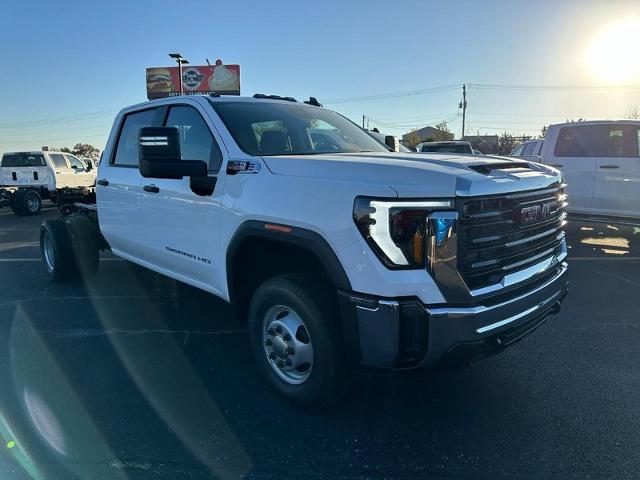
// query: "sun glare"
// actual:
[[614, 54]]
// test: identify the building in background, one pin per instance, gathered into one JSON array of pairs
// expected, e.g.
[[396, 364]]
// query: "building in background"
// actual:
[[426, 134]]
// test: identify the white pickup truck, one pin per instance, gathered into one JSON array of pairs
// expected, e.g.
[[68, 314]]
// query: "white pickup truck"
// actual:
[[27, 178], [337, 253]]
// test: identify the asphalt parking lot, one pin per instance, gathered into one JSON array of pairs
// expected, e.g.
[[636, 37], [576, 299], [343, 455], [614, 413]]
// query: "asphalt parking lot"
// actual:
[[128, 375]]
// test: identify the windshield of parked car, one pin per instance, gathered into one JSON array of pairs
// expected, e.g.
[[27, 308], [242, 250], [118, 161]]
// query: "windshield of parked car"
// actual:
[[446, 149], [287, 128]]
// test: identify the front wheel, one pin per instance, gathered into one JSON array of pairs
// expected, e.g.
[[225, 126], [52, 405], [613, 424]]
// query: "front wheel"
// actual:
[[296, 339]]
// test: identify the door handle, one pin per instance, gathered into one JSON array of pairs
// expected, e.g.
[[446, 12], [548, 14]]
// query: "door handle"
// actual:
[[610, 167], [151, 188], [103, 181], [556, 165]]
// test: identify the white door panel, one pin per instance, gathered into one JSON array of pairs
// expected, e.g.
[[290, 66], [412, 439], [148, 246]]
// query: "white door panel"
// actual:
[[617, 189], [180, 230], [579, 174], [119, 208]]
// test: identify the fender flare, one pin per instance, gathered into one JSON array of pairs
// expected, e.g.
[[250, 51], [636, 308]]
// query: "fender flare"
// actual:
[[299, 237]]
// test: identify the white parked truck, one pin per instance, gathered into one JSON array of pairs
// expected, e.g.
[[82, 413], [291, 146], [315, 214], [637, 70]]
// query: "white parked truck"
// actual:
[[27, 178], [338, 254]]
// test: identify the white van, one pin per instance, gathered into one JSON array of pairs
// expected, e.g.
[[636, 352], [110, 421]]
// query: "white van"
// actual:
[[600, 161]]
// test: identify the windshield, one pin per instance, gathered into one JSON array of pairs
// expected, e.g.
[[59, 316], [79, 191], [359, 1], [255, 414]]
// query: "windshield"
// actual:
[[283, 128], [446, 149]]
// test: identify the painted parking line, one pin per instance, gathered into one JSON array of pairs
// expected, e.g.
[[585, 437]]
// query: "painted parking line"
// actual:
[[38, 259]]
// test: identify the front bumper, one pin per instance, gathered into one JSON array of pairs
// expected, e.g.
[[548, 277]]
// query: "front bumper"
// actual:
[[402, 334]]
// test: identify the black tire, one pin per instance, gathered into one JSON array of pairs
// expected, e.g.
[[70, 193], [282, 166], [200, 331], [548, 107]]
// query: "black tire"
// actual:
[[315, 305], [56, 250], [16, 202], [84, 242], [31, 203]]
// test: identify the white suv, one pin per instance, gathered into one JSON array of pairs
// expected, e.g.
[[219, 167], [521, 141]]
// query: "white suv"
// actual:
[[28, 177], [600, 161], [337, 253]]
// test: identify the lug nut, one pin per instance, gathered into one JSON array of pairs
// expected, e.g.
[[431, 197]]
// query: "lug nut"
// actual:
[[287, 337], [268, 343], [271, 331], [287, 362], [278, 329], [280, 364], [272, 355]]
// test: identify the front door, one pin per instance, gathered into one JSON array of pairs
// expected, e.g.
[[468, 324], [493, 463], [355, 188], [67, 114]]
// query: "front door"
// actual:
[[181, 228], [617, 189]]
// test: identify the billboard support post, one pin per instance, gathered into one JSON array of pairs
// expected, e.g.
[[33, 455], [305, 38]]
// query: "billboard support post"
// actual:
[[180, 60]]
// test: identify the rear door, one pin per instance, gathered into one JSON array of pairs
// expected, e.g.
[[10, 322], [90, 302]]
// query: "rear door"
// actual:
[[62, 170], [575, 152], [617, 190], [181, 229], [119, 188]]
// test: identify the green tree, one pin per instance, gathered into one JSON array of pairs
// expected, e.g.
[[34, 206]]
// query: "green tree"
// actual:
[[84, 150]]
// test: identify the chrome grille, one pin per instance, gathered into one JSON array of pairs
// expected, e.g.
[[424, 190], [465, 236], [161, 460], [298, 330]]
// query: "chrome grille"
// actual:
[[498, 235]]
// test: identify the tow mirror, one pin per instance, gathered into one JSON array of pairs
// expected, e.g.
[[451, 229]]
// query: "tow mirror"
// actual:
[[160, 157], [392, 142]]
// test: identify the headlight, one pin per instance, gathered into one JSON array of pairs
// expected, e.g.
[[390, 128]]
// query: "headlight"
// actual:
[[396, 229]]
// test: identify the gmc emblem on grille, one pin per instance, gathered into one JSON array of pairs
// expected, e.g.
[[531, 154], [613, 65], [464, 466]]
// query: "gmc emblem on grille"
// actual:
[[535, 213]]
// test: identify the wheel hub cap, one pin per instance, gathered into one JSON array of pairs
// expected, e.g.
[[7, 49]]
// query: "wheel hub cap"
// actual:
[[287, 344]]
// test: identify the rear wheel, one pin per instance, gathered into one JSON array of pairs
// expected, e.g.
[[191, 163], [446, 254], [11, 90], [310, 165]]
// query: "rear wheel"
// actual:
[[26, 203], [56, 250], [295, 337]]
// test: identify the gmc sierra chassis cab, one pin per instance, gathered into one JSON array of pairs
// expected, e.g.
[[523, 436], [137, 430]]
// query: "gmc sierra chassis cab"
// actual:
[[339, 252]]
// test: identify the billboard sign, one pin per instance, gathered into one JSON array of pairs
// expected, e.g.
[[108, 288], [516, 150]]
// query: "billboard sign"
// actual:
[[196, 80]]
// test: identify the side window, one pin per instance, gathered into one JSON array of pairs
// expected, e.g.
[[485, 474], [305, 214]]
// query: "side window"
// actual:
[[196, 140], [582, 141], [538, 150], [518, 150], [74, 162], [623, 141], [528, 148], [58, 160], [127, 148], [637, 141]]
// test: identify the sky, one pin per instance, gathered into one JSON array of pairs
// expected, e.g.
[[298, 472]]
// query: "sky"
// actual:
[[68, 66]]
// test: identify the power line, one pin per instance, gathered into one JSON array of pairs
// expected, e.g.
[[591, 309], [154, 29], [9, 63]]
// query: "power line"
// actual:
[[490, 86], [406, 93], [68, 119]]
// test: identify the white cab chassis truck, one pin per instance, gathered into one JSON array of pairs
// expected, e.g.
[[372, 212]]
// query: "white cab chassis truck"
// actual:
[[27, 178], [338, 253]]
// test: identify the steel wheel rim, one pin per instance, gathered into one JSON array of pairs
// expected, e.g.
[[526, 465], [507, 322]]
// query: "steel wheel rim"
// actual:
[[287, 344], [49, 255], [32, 204]]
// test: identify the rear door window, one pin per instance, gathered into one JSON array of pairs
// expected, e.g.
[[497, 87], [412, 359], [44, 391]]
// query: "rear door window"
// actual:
[[622, 141], [127, 148], [582, 141], [58, 160]]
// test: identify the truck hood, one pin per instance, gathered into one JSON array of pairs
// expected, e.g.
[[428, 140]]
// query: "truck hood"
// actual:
[[420, 174]]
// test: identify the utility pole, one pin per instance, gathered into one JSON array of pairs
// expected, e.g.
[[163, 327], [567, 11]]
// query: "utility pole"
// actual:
[[463, 106], [363, 120]]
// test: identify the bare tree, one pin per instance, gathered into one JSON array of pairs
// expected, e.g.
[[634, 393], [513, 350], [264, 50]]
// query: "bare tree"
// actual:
[[634, 113], [412, 139], [506, 144]]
